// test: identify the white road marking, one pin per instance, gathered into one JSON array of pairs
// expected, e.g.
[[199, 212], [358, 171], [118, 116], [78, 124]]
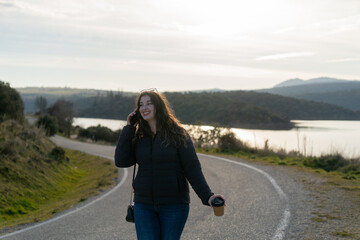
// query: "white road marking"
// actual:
[[75, 210], [284, 222], [279, 233]]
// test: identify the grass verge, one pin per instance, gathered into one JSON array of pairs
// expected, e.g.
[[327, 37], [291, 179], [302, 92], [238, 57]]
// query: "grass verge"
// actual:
[[334, 198], [81, 177], [344, 179]]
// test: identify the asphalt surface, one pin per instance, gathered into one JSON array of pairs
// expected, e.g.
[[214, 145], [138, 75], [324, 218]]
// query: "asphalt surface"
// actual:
[[262, 203]]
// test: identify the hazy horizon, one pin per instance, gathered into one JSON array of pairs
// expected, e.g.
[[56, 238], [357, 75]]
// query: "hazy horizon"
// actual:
[[176, 45], [183, 90]]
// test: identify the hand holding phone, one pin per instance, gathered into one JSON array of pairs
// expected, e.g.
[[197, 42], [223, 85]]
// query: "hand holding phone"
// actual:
[[134, 119]]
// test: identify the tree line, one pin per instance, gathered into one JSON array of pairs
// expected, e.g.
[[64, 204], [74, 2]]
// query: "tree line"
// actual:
[[244, 109]]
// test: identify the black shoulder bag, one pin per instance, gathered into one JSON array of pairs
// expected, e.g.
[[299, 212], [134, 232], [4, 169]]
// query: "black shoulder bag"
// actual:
[[130, 210]]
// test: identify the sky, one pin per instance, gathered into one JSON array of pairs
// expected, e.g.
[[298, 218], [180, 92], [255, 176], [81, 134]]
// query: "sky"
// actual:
[[177, 45]]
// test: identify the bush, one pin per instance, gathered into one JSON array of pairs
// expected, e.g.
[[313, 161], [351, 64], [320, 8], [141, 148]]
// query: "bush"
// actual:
[[58, 154], [99, 133], [352, 168], [49, 123], [229, 141], [327, 162], [11, 105], [63, 112], [9, 148]]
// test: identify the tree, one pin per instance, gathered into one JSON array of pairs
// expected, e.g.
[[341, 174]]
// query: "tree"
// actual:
[[41, 104], [48, 123], [11, 105], [64, 113]]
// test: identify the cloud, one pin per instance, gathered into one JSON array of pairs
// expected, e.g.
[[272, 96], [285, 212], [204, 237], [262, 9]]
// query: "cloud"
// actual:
[[345, 60], [337, 26], [285, 55], [7, 4], [285, 30], [56, 9]]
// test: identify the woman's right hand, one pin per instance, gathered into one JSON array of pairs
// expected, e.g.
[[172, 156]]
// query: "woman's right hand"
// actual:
[[130, 115]]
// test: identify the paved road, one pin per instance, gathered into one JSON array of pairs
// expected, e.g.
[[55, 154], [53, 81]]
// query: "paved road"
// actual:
[[262, 203]]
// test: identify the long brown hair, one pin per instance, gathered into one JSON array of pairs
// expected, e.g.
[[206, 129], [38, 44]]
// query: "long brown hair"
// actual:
[[167, 125]]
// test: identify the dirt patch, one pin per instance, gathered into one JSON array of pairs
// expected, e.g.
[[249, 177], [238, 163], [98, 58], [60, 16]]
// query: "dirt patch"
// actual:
[[329, 208], [336, 205]]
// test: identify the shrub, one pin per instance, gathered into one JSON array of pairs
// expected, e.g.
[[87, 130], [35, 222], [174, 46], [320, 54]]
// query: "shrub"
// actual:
[[352, 168], [58, 154], [64, 113], [327, 162], [11, 105], [49, 123], [229, 141], [9, 148], [99, 133]]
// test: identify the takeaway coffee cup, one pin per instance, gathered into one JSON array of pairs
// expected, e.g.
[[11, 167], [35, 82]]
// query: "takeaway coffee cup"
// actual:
[[218, 206]]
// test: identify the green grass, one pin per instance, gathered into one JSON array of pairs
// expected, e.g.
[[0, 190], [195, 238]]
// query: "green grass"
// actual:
[[343, 234], [38, 180], [316, 219], [83, 177], [326, 215], [348, 180]]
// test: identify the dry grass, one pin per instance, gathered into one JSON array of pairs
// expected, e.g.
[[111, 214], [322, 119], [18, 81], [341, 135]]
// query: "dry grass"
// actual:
[[38, 180]]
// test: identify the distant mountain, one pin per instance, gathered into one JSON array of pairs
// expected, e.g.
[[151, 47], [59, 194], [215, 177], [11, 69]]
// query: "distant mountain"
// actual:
[[343, 93], [349, 99], [290, 82], [298, 81], [206, 90]]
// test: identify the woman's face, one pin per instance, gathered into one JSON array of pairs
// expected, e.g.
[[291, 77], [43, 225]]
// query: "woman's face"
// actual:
[[146, 108]]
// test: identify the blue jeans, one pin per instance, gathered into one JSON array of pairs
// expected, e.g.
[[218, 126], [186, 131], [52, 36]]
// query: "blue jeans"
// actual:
[[160, 222]]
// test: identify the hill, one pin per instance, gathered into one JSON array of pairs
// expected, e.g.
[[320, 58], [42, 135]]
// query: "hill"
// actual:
[[221, 108], [38, 179], [245, 109], [190, 108], [342, 93], [298, 81], [298, 109]]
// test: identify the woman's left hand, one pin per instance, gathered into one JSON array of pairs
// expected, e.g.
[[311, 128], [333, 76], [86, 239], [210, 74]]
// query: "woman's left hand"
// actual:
[[215, 196]]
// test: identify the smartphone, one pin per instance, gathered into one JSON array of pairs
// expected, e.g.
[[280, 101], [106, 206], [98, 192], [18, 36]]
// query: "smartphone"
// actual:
[[134, 119]]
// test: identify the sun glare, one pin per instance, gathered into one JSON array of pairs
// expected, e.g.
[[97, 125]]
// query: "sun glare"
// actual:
[[233, 18]]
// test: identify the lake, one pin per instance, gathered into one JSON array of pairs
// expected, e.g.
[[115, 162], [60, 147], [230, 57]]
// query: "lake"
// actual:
[[310, 137]]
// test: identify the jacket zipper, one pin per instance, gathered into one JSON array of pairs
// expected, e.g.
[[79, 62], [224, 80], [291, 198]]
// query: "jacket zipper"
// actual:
[[152, 170]]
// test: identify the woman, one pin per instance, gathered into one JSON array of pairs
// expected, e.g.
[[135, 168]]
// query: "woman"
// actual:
[[167, 161]]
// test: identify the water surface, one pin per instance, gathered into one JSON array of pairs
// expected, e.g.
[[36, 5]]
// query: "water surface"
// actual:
[[310, 137]]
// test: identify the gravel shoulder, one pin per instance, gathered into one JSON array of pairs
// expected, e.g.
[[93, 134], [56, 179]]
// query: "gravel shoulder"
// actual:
[[322, 206], [336, 206]]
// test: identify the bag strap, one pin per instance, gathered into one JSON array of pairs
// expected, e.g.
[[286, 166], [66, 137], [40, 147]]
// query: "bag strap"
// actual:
[[132, 189]]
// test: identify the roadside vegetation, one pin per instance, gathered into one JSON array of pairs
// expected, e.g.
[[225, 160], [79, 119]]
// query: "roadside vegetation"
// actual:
[[220, 141], [37, 178], [332, 180], [97, 134], [223, 141]]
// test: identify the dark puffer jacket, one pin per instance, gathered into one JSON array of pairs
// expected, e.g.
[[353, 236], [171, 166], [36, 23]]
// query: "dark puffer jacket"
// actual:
[[163, 170]]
